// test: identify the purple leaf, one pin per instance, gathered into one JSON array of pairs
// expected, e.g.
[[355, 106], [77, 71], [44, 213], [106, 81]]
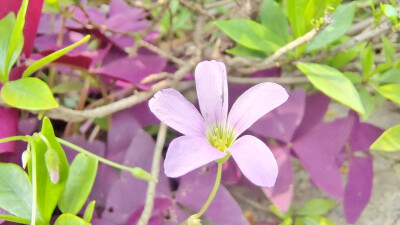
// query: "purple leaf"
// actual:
[[97, 147], [132, 69], [316, 107], [194, 190], [281, 194], [121, 201], [317, 151], [362, 135], [230, 172], [359, 187], [165, 212], [8, 127], [282, 122]]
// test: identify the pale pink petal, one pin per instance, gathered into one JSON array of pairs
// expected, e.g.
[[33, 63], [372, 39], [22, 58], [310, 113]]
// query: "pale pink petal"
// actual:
[[255, 160], [212, 91], [187, 153], [255, 103], [176, 111]]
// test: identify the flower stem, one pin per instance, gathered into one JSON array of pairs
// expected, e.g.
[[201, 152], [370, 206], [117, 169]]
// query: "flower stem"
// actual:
[[212, 195], [34, 186], [14, 138]]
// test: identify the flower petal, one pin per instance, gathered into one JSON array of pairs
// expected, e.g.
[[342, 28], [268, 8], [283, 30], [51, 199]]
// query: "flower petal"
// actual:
[[255, 160], [177, 112], [187, 153], [212, 91], [255, 103]]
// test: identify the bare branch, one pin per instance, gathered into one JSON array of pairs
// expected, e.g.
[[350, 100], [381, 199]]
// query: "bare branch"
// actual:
[[155, 170]]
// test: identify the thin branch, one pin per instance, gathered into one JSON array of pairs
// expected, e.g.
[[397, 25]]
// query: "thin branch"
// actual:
[[194, 7], [268, 62], [70, 115], [162, 53], [257, 80], [155, 170], [140, 4], [366, 35]]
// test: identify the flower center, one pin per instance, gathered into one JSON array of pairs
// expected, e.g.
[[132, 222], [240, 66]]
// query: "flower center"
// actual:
[[220, 137]]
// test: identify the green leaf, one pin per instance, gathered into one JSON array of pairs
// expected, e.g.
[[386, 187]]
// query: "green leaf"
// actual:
[[28, 93], [316, 207], [340, 60], [80, 181], [388, 48], [342, 20], [6, 25], [390, 91], [276, 211], [70, 219], [52, 57], [16, 191], [89, 211], [355, 78], [250, 34], [389, 141], [287, 221], [48, 193], [367, 102], [273, 18], [16, 40], [66, 87], [317, 220], [367, 60], [390, 12], [390, 76], [333, 83], [296, 19], [243, 51]]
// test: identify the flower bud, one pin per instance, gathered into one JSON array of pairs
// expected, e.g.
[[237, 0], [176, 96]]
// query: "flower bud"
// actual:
[[25, 158], [142, 174], [52, 164]]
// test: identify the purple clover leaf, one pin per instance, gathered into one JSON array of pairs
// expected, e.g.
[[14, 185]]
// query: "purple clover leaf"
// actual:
[[212, 134]]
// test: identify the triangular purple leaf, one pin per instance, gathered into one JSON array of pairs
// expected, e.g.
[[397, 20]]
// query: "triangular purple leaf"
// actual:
[[359, 187]]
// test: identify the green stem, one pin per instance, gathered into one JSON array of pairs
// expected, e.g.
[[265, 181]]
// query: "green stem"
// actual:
[[212, 195], [34, 186], [14, 219], [14, 138], [101, 159]]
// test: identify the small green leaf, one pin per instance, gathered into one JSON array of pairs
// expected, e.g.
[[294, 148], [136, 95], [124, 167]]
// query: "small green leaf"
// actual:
[[276, 211], [340, 60], [80, 181], [89, 211], [16, 191], [367, 101], [70, 219], [390, 91], [355, 78], [287, 221], [243, 51], [316, 207], [389, 76], [333, 83], [250, 34], [273, 18], [48, 193], [367, 60], [28, 93], [390, 12], [52, 57], [388, 48], [317, 220], [342, 20], [389, 141], [6, 26]]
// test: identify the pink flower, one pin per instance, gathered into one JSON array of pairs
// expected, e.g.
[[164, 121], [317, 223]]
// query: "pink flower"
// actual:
[[214, 134]]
